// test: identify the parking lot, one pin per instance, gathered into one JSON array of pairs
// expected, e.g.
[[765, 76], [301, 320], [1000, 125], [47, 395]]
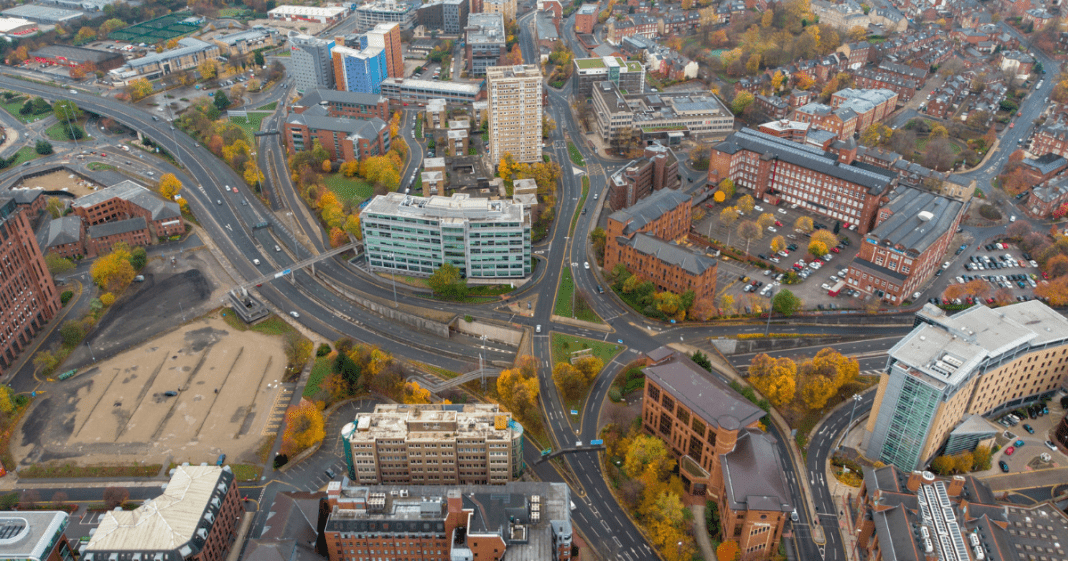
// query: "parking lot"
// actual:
[[1034, 429], [1006, 274]]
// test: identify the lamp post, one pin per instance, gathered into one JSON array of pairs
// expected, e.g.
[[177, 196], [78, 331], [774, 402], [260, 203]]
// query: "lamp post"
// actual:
[[90, 350], [66, 113], [393, 258], [856, 399]]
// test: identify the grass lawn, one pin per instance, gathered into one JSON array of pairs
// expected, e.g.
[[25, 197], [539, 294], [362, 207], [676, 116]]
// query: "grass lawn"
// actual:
[[269, 107], [100, 166], [25, 154], [15, 104], [322, 369], [246, 472], [406, 280], [564, 295], [419, 127], [582, 201], [576, 156], [58, 131], [72, 470], [563, 346], [349, 189], [251, 125]]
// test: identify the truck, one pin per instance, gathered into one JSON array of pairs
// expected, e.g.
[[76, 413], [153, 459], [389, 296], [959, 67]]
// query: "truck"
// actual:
[[838, 286]]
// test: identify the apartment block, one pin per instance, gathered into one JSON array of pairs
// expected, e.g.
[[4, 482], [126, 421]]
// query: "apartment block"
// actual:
[[102, 238], [870, 106], [911, 235], [835, 186], [370, 14], [386, 36], [980, 361], [515, 112], [35, 535], [585, 18], [667, 118], [127, 200], [312, 66], [359, 70], [904, 516], [345, 139], [482, 238], [445, 523], [658, 168], [437, 114], [475, 444], [713, 431], [629, 75], [485, 42], [195, 519], [506, 8], [447, 16], [332, 103], [1051, 138], [641, 239]]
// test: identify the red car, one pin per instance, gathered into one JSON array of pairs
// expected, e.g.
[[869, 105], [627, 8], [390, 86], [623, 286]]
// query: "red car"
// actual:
[[779, 224], [836, 250], [1045, 275], [1009, 450], [103, 155]]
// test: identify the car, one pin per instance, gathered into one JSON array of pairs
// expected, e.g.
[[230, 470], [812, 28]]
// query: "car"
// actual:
[[758, 208], [586, 265], [782, 211], [836, 250], [1018, 444], [1004, 467], [1051, 445], [1028, 428], [779, 224], [743, 278], [537, 328], [170, 394], [793, 516], [330, 473], [772, 229], [1009, 451], [792, 247], [294, 314], [600, 290]]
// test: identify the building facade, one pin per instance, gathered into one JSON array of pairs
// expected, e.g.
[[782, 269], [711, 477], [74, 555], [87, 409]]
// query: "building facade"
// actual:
[[447, 16], [345, 139], [386, 36], [515, 112], [443, 523], [189, 54], [359, 70], [195, 519], [658, 168], [370, 14], [911, 235], [834, 186], [628, 75], [102, 238], [666, 118], [35, 535], [476, 444], [128, 200], [585, 18], [978, 362], [484, 42], [506, 8], [421, 91], [332, 103], [484, 239], [312, 66], [329, 15]]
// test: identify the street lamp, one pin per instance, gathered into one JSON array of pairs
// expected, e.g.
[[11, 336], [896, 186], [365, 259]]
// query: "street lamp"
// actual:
[[856, 399], [393, 258], [66, 113]]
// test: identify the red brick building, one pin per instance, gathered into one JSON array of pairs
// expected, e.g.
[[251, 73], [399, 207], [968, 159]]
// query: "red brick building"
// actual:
[[28, 297], [870, 106], [195, 519], [1043, 168], [334, 103], [841, 122], [127, 200], [712, 430], [1051, 138], [911, 235], [1046, 198], [585, 18], [64, 236], [101, 239], [834, 186], [639, 238], [656, 169], [344, 139], [89, 60], [772, 106]]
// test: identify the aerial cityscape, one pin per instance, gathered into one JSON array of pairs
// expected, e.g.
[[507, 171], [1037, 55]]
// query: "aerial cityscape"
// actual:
[[458, 280]]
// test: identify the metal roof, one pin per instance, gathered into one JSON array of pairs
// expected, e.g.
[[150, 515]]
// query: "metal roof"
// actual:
[[919, 219], [669, 253]]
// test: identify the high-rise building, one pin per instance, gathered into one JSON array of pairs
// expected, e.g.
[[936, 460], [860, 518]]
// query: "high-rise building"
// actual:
[[28, 297], [375, 12], [386, 36], [480, 237], [521, 520], [979, 362], [485, 42], [629, 75], [506, 8], [515, 108], [35, 535], [475, 444], [311, 64], [195, 519], [447, 16], [359, 70]]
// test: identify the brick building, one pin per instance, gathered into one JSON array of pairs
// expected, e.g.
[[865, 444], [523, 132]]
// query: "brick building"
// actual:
[[871, 106], [195, 519], [656, 169], [911, 235], [89, 60], [835, 186], [333, 103], [439, 523], [35, 535], [101, 239], [64, 236], [1051, 138], [712, 430], [345, 139], [1044, 167], [1047, 197], [842, 122], [639, 238], [772, 105], [28, 297], [127, 200], [794, 131]]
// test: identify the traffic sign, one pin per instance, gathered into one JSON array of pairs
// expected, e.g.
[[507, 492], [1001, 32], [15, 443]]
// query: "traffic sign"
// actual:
[[574, 411], [596, 442]]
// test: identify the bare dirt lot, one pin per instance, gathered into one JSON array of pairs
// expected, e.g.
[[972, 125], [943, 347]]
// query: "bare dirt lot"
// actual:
[[118, 411], [62, 180]]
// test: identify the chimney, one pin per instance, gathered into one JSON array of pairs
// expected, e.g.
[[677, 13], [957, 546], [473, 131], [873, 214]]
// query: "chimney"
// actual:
[[847, 154], [956, 485]]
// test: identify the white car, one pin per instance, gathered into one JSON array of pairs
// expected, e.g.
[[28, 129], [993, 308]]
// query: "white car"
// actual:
[[758, 208], [294, 314], [960, 280], [772, 229], [586, 264], [782, 211]]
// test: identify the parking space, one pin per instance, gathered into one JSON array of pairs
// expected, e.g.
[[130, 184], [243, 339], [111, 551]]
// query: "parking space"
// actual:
[[1006, 274], [1027, 441]]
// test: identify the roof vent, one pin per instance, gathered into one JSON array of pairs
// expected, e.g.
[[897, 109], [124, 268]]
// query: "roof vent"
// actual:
[[925, 216]]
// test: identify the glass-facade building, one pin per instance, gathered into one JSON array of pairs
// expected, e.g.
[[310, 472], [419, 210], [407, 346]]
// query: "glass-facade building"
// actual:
[[484, 239]]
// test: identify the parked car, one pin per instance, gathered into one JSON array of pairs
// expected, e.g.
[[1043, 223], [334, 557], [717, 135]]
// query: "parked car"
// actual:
[[1004, 467], [1028, 429]]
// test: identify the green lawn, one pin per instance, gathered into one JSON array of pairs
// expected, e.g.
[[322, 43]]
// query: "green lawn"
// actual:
[[564, 345], [25, 154], [576, 156], [582, 201], [58, 132], [100, 166], [322, 368], [15, 104], [251, 125], [419, 127], [269, 107], [349, 189], [564, 295]]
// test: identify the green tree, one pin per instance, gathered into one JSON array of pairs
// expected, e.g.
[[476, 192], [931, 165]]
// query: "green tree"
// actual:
[[786, 303], [221, 101], [446, 282], [43, 147], [258, 59], [65, 110], [57, 264], [138, 258], [701, 360]]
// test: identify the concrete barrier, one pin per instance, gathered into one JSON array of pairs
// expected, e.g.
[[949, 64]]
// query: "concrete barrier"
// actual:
[[424, 324], [507, 335]]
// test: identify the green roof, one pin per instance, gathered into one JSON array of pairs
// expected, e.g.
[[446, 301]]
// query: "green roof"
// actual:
[[585, 63], [653, 128], [634, 66]]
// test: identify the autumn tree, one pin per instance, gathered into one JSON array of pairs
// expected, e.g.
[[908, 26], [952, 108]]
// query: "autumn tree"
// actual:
[[1055, 291], [786, 302], [749, 231], [766, 220], [804, 224], [776, 378], [726, 186], [303, 428], [108, 26], [817, 248], [728, 216], [778, 244], [518, 392], [113, 271], [728, 550], [208, 69], [57, 264], [741, 101], [746, 204], [85, 35], [647, 454], [115, 496], [414, 394], [824, 374], [169, 186], [446, 281], [568, 380], [139, 89]]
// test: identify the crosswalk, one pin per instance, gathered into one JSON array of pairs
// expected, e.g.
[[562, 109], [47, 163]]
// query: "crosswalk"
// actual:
[[277, 413]]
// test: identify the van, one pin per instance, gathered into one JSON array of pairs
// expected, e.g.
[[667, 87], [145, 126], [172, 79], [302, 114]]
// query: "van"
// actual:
[[256, 262]]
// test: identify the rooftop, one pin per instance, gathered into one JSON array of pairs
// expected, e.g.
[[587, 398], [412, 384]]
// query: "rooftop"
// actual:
[[702, 393], [59, 231], [75, 54], [30, 534], [457, 209], [43, 13], [670, 253], [485, 28], [329, 11], [328, 96], [355, 128], [603, 63], [137, 194], [470, 88], [429, 422], [117, 227], [919, 219], [188, 46], [753, 474], [649, 209]]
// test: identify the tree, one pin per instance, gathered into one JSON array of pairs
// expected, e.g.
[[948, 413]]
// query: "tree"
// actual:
[[728, 216], [568, 380], [752, 66], [728, 550], [304, 427], [258, 59], [817, 248], [776, 378], [139, 89], [66, 110], [939, 131], [778, 78], [746, 204], [107, 299], [786, 303], [727, 303], [1056, 291], [942, 465], [113, 271], [825, 237], [108, 26], [518, 392], [741, 101], [1018, 230], [857, 33], [804, 224], [208, 69], [647, 454], [221, 101], [169, 186], [1056, 266], [726, 186], [43, 147], [938, 154], [252, 175], [414, 394], [45, 362], [766, 220], [115, 496], [85, 35], [778, 244], [446, 282], [749, 231]]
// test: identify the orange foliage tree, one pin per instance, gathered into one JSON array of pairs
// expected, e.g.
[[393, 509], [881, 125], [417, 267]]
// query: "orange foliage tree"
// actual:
[[304, 428]]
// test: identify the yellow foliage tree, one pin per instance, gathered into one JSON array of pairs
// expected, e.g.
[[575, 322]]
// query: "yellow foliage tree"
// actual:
[[669, 304], [253, 176], [113, 271], [414, 394], [939, 131], [352, 226], [766, 220], [304, 427], [647, 454], [518, 392], [107, 299], [817, 248], [719, 197], [775, 378], [804, 224], [327, 166], [778, 244], [728, 551], [169, 186], [208, 69], [140, 89], [777, 79], [826, 237], [745, 204]]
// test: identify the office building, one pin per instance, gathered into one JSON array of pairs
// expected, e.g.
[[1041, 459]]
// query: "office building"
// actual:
[[585, 18], [64, 236], [35, 535], [833, 185], [127, 200], [484, 239], [343, 138], [332, 103], [386, 36], [656, 169], [28, 297], [312, 66], [721, 451], [359, 70], [447, 16], [43, 14], [372, 13], [474, 444], [629, 75], [663, 117], [420, 91], [910, 516], [911, 236], [446, 523], [327, 16], [506, 8], [78, 57], [641, 238], [485, 42], [980, 361], [249, 40], [188, 55], [515, 111], [195, 519]]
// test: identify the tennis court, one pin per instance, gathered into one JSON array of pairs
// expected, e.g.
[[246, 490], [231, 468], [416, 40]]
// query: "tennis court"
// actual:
[[157, 30]]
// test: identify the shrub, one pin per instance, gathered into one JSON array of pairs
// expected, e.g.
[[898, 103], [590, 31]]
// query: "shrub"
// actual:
[[990, 212], [323, 350], [65, 297], [107, 299], [280, 460], [615, 395]]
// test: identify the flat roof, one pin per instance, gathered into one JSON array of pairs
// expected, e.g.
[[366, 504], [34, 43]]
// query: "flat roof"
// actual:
[[329, 11], [27, 534]]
